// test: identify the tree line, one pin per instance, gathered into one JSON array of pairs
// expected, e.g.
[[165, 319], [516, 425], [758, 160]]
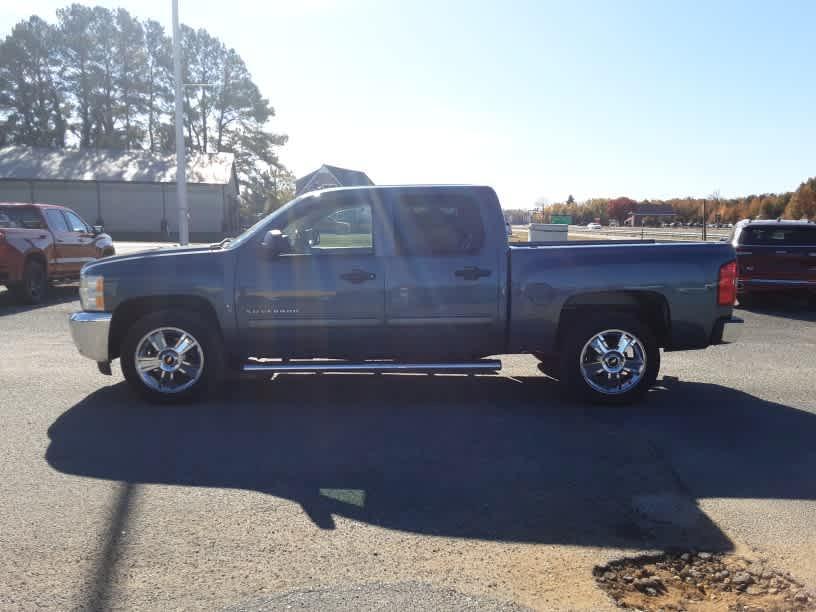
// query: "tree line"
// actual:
[[103, 79], [797, 204]]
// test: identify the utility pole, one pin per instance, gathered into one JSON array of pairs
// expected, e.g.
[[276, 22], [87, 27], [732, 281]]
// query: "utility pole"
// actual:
[[705, 236], [181, 165]]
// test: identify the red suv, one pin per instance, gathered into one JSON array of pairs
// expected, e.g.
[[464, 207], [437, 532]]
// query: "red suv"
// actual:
[[775, 257]]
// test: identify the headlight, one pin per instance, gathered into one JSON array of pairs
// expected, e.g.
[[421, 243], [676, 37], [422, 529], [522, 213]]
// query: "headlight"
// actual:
[[92, 292]]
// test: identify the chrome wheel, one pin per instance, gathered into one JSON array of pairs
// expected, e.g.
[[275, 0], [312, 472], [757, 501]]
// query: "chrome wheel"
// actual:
[[613, 361], [169, 360]]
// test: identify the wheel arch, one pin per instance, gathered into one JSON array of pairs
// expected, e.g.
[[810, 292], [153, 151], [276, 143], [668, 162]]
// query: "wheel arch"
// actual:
[[650, 307], [130, 311]]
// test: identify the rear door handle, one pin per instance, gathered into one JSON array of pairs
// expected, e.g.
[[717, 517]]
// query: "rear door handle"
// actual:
[[358, 276], [472, 273]]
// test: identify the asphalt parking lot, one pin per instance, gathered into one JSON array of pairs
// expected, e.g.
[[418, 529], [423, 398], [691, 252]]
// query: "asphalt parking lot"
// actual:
[[384, 492]]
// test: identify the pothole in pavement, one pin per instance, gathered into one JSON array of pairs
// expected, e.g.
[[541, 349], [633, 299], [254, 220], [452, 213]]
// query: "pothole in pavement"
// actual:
[[701, 581]]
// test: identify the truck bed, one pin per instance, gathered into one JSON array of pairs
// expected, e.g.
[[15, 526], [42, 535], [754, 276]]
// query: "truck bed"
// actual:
[[546, 278]]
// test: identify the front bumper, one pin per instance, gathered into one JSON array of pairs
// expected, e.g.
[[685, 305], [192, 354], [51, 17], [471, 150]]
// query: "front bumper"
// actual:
[[90, 333], [727, 330]]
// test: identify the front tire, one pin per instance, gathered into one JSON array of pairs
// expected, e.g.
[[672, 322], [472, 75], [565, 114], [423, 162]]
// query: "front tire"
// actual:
[[172, 357], [612, 359], [34, 286]]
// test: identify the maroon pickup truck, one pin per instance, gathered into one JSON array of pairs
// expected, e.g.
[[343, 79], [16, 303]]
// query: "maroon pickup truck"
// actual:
[[775, 257], [42, 242]]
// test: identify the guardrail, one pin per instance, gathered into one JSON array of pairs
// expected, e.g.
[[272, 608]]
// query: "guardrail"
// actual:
[[685, 234]]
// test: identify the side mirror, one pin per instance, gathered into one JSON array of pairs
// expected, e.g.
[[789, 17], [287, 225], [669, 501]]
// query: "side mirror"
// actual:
[[275, 242], [97, 229]]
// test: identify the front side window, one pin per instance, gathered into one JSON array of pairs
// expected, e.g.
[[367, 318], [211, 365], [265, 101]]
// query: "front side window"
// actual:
[[438, 224], [75, 223], [56, 220], [330, 227]]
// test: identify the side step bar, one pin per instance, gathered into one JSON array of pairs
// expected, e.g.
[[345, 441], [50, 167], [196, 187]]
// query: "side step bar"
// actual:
[[463, 367]]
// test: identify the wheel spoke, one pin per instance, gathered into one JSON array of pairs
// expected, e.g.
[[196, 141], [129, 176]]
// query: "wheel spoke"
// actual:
[[158, 341], [624, 343], [599, 345], [188, 369], [594, 368], [184, 344], [633, 365], [148, 364]]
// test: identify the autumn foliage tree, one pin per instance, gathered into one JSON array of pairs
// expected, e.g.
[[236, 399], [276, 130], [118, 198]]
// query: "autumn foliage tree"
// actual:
[[797, 204], [619, 208]]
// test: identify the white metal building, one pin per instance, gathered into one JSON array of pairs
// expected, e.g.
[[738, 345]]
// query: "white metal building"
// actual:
[[131, 193]]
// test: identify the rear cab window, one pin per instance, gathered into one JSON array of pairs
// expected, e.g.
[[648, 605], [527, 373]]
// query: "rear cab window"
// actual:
[[770, 235], [438, 224], [20, 217]]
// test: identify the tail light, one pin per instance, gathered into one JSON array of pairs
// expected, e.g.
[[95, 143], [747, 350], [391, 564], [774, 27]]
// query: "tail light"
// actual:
[[727, 284]]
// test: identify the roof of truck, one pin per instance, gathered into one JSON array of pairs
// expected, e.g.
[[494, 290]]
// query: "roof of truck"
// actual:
[[36, 205]]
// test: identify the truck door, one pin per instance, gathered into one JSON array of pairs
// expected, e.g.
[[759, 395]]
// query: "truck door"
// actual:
[[62, 238], [325, 298], [442, 293], [78, 244]]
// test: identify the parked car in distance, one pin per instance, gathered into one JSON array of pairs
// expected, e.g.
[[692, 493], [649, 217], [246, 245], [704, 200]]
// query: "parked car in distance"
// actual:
[[775, 257], [593, 226], [43, 242], [431, 286]]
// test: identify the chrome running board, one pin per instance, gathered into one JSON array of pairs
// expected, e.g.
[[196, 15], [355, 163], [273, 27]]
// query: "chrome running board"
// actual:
[[460, 367]]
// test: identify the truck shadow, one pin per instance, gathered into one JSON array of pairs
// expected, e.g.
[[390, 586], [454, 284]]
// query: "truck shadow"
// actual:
[[486, 457], [57, 294], [796, 308]]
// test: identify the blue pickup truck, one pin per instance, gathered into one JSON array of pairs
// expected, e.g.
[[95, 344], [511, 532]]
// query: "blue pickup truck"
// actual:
[[401, 279]]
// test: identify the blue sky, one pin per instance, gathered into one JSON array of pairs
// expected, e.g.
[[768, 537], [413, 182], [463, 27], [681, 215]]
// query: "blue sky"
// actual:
[[539, 99]]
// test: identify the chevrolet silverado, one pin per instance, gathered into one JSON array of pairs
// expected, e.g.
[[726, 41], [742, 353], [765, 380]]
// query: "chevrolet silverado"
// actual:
[[402, 279]]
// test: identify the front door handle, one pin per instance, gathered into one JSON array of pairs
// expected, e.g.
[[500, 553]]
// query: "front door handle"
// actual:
[[472, 273], [358, 276]]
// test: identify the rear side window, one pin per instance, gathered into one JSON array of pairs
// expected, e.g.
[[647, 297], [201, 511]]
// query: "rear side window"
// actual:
[[20, 217], [438, 224], [56, 220], [778, 235]]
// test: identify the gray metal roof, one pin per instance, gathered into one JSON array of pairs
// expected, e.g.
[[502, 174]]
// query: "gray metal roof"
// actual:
[[27, 163]]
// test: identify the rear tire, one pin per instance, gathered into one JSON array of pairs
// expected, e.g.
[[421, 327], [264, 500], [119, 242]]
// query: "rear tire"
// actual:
[[172, 356], [34, 286], [599, 371]]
